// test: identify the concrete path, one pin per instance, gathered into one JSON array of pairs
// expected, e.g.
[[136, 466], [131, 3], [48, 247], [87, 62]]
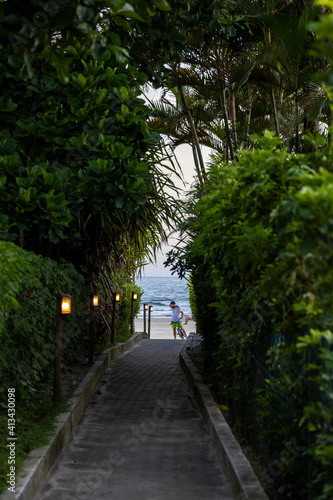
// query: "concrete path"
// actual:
[[141, 437]]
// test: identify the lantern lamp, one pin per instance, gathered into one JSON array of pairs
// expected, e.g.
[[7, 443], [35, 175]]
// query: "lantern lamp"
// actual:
[[63, 307], [66, 304], [149, 319], [115, 299], [134, 298], [145, 309], [95, 300]]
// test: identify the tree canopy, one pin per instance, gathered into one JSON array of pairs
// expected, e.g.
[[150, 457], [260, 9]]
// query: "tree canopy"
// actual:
[[82, 176]]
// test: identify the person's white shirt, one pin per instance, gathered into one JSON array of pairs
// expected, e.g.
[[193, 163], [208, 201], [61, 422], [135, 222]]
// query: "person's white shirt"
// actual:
[[176, 313]]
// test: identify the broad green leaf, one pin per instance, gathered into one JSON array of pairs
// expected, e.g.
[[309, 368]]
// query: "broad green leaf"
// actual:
[[162, 4], [6, 104], [85, 14]]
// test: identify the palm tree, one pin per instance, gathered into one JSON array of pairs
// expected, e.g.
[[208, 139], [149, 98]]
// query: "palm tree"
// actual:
[[210, 64], [279, 62], [175, 115], [263, 74]]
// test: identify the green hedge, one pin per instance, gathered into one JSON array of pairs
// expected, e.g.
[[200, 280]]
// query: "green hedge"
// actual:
[[262, 270], [29, 284], [123, 320]]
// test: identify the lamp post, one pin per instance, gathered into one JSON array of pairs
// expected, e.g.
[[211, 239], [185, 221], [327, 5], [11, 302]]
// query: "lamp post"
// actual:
[[145, 309], [93, 303], [115, 299], [134, 298], [63, 307], [149, 319]]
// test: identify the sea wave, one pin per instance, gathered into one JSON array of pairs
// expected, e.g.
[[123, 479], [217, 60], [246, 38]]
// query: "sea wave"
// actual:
[[160, 291]]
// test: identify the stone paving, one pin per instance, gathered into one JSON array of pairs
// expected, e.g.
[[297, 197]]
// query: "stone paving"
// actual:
[[141, 437]]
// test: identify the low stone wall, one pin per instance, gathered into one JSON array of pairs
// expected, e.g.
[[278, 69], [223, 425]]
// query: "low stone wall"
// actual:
[[244, 482]]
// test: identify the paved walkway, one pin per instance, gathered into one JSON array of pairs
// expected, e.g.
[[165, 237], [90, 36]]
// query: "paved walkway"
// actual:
[[140, 438]]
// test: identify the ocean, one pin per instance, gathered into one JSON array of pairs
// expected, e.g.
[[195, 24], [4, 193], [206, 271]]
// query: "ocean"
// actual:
[[160, 291]]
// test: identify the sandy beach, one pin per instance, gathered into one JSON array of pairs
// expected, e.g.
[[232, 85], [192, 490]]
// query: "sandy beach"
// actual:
[[160, 328]]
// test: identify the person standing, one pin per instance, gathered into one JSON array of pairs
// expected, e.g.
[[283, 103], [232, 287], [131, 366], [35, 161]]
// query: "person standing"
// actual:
[[177, 315]]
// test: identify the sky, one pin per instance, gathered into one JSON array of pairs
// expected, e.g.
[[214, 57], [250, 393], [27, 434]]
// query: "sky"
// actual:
[[185, 159]]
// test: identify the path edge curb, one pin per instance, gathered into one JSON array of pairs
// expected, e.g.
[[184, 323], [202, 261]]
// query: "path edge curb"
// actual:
[[243, 480], [36, 466]]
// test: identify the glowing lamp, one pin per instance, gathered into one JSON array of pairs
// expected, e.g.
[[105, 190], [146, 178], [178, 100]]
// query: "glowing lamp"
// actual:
[[66, 304], [134, 296], [149, 319], [95, 300]]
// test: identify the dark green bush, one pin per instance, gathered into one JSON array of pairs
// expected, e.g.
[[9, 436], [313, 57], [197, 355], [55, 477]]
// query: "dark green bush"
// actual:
[[263, 246], [29, 284], [123, 322], [79, 172]]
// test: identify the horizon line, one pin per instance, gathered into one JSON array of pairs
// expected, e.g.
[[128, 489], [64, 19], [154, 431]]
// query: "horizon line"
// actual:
[[161, 276]]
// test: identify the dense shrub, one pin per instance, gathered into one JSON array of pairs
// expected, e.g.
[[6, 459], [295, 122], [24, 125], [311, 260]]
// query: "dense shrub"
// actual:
[[29, 284], [123, 322], [262, 244], [81, 174], [120, 282]]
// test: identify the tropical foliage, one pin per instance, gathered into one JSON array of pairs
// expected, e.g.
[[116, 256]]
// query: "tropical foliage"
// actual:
[[259, 235], [248, 67], [82, 177]]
